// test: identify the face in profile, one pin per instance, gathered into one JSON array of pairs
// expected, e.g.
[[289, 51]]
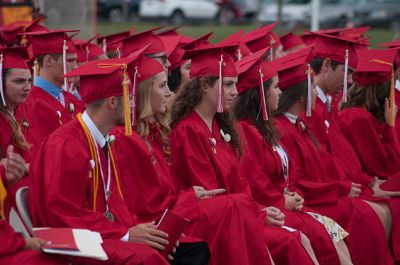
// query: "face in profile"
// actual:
[[160, 93], [273, 94], [230, 92]]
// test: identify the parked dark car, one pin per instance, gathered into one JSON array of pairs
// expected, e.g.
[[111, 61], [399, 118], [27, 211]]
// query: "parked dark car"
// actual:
[[379, 13], [113, 10]]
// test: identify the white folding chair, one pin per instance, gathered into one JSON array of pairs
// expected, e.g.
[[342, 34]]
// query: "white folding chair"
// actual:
[[22, 201]]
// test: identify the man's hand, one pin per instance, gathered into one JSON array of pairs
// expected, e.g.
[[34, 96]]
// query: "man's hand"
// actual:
[[274, 216], [148, 234], [202, 193], [35, 243]]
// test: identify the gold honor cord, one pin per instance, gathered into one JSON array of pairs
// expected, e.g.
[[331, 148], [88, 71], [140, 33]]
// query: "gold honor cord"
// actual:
[[94, 169], [391, 99], [3, 195], [125, 93]]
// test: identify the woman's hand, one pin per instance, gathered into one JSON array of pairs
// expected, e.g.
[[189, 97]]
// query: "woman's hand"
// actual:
[[378, 192], [14, 165], [355, 190], [387, 111]]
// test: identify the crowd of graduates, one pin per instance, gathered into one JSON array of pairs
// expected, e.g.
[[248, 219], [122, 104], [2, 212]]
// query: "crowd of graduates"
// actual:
[[278, 150]]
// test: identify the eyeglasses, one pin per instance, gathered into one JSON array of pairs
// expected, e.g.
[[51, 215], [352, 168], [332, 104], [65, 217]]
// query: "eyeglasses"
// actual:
[[164, 58]]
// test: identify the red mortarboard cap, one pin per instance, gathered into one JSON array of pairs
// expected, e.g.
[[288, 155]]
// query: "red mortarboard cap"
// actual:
[[260, 38], [293, 68], [374, 66], [106, 41], [391, 44], [170, 32], [12, 58], [199, 43], [101, 79], [176, 58], [52, 41], [81, 52], [36, 26], [10, 32], [290, 40], [205, 62], [248, 70], [148, 67], [235, 39], [333, 47], [16, 57], [170, 43], [133, 43]]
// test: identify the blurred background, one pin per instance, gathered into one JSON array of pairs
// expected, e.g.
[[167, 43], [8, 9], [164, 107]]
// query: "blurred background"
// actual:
[[197, 17]]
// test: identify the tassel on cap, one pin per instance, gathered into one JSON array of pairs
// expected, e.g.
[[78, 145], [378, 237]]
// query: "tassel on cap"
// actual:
[[135, 76], [104, 46], [309, 88], [65, 47], [346, 70], [262, 96], [3, 97], [220, 107]]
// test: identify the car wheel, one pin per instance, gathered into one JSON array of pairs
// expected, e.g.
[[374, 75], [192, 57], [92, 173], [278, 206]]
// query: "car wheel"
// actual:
[[115, 14], [177, 17]]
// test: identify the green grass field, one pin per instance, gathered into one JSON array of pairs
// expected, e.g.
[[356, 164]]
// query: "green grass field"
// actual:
[[376, 35]]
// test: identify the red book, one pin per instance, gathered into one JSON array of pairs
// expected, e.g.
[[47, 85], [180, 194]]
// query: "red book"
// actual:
[[173, 225], [60, 238]]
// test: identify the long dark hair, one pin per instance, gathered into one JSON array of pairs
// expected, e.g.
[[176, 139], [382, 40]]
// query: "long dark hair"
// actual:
[[17, 135], [191, 96], [248, 107], [371, 97], [288, 98], [174, 79]]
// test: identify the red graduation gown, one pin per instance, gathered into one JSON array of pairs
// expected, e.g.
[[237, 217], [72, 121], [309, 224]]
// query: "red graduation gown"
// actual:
[[41, 114], [378, 149], [326, 129], [397, 101], [267, 183], [11, 252], [330, 198], [196, 162], [61, 195], [148, 189]]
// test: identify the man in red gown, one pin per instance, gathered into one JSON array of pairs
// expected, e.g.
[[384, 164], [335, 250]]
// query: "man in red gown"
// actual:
[[49, 105], [74, 174]]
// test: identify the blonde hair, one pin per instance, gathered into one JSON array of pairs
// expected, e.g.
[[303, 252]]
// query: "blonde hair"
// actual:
[[144, 112]]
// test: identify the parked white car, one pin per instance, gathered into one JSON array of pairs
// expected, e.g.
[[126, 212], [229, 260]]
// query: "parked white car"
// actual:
[[293, 11], [177, 11]]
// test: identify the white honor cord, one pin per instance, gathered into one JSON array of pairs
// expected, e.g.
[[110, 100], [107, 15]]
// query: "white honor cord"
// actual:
[[105, 188], [284, 160]]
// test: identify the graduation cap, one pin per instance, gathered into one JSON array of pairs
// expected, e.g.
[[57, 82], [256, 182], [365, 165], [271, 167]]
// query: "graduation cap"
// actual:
[[253, 72], [215, 61], [86, 50], [106, 41], [376, 67], [236, 39], [199, 43], [11, 58], [295, 68], [290, 40], [134, 42], [260, 38], [105, 78]]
